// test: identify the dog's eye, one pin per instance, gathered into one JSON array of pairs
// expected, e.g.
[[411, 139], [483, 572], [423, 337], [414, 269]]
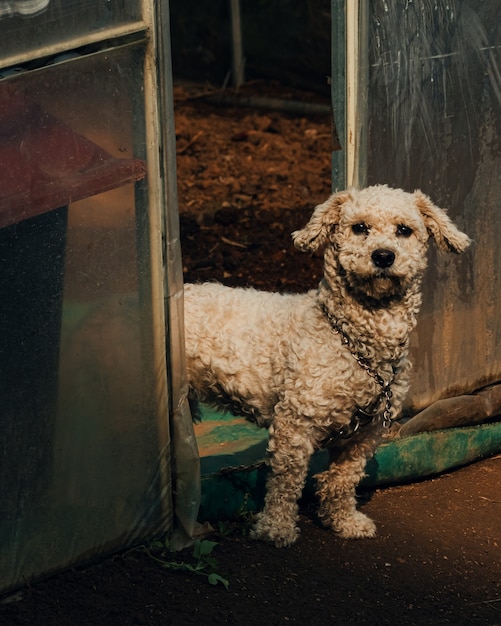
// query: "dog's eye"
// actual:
[[360, 229], [404, 231]]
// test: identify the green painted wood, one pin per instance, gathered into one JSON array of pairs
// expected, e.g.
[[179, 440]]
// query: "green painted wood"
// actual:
[[427, 454], [233, 455]]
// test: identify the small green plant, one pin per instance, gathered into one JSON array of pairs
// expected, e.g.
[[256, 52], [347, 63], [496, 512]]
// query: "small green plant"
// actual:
[[245, 516], [242, 521], [205, 564]]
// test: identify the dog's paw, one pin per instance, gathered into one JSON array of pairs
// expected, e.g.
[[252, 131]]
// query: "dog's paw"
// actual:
[[355, 526], [281, 534]]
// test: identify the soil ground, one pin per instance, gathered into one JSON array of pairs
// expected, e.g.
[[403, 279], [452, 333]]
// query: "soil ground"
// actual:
[[247, 178]]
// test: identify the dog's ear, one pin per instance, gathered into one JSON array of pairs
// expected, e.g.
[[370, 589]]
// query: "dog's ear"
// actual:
[[323, 221], [447, 237]]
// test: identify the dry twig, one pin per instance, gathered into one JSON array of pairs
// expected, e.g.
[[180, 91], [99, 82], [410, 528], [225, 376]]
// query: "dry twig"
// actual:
[[195, 138]]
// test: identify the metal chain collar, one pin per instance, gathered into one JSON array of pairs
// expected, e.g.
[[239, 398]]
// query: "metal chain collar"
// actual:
[[386, 393]]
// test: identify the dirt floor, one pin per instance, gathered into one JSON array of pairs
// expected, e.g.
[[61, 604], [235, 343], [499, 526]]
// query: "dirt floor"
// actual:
[[247, 178]]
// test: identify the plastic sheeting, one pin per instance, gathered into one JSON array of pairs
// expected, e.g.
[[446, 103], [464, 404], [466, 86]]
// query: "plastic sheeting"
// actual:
[[428, 115], [22, 7], [435, 112], [185, 461], [35, 29], [97, 449]]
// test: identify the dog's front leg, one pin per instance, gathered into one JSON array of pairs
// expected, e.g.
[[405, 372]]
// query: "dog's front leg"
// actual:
[[336, 489], [290, 448]]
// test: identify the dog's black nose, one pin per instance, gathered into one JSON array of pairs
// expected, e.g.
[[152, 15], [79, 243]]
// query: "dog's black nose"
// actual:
[[383, 258]]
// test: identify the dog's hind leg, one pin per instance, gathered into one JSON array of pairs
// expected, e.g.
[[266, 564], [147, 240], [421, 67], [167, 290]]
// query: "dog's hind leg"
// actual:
[[290, 451], [336, 490]]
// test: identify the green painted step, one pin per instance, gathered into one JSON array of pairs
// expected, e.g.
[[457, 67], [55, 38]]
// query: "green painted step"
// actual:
[[233, 453]]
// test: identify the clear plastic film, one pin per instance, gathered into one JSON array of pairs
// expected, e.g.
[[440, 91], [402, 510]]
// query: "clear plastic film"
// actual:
[[96, 444], [22, 7], [427, 115], [185, 461]]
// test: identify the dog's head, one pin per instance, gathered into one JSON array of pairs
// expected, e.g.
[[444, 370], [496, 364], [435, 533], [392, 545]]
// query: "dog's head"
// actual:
[[378, 237]]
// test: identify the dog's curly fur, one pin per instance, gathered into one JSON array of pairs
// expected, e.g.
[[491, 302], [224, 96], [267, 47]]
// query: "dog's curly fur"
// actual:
[[287, 362]]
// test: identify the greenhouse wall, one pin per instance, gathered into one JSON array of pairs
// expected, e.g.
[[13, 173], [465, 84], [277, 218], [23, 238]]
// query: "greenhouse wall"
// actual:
[[95, 436], [424, 112]]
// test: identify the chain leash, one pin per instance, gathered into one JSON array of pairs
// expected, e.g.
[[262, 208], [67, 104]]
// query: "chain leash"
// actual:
[[386, 392]]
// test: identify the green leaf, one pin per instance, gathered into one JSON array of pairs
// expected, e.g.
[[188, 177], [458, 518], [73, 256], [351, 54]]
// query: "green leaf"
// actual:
[[216, 578], [203, 548], [211, 562], [205, 564]]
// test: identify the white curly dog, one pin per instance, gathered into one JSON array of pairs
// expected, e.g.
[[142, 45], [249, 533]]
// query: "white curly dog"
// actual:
[[327, 368]]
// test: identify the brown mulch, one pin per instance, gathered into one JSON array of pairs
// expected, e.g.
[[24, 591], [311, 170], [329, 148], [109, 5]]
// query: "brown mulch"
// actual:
[[247, 178]]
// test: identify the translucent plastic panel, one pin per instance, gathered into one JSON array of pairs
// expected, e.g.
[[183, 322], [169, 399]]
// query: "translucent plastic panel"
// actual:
[[32, 25], [84, 450], [434, 117]]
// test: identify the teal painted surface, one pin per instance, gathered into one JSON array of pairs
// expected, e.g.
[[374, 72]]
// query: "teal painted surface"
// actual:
[[428, 454], [227, 441], [233, 482]]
